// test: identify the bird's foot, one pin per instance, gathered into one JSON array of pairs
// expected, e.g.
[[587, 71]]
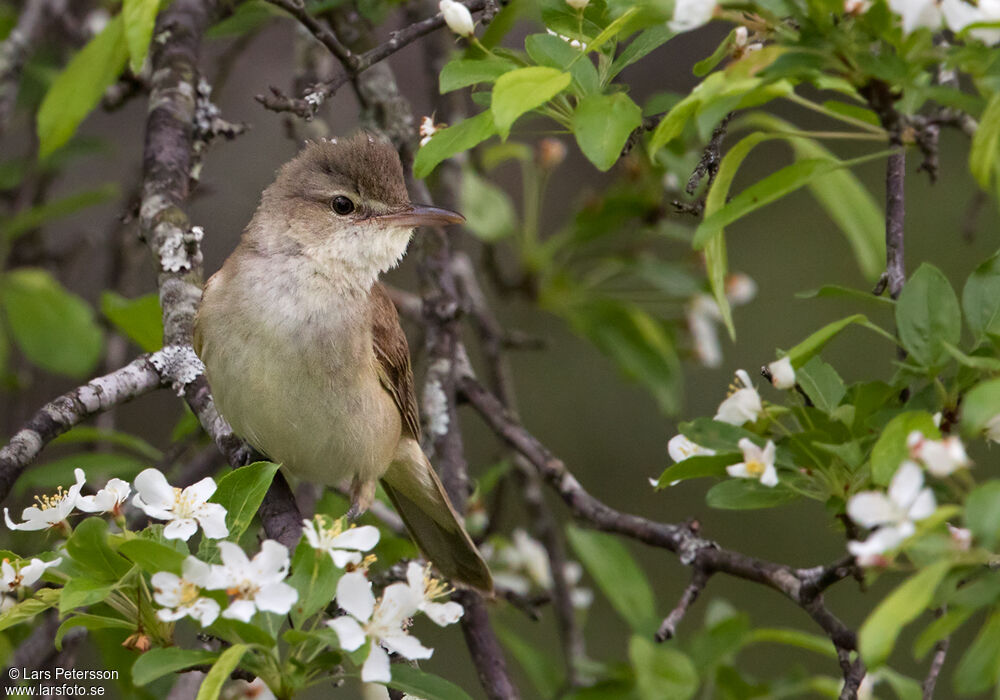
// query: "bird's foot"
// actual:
[[362, 495]]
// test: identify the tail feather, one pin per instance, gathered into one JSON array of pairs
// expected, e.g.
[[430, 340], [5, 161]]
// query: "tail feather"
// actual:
[[415, 490]]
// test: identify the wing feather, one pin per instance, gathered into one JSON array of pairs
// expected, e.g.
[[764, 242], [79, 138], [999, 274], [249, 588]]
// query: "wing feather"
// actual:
[[392, 358]]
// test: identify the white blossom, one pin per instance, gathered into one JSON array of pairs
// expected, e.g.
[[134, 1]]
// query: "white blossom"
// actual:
[[782, 373], [578, 4], [383, 622], [457, 17], [186, 509], [992, 428], [107, 500], [255, 584], [757, 463], [961, 538], [181, 595], [958, 15], [691, 14], [681, 447], [702, 319], [575, 43], [856, 7], [426, 590], [49, 511], [940, 457], [14, 577], [743, 405], [427, 129], [918, 13], [524, 564], [893, 513], [344, 546]]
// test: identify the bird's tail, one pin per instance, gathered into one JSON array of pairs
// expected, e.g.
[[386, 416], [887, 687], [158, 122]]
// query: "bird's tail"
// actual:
[[415, 490]]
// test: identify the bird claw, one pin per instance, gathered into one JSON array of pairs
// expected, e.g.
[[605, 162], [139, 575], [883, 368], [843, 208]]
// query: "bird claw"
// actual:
[[362, 495]]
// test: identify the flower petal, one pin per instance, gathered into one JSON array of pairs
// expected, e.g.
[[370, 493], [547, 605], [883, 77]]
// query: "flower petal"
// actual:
[[276, 597], [924, 505], [349, 632], [906, 484], [406, 645], [154, 489], [376, 666], [354, 595], [444, 613], [342, 558], [242, 610], [360, 538], [871, 508], [271, 563], [200, 491], [212, 518], [180, 529]]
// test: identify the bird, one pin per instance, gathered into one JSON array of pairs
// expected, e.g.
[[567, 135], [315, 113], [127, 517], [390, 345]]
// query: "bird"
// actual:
[[302, 345]]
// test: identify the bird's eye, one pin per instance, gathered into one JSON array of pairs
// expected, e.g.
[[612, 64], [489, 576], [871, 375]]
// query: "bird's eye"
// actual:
[[342, 205]]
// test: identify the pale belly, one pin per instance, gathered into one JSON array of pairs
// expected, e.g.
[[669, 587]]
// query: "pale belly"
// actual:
[[310, 400]]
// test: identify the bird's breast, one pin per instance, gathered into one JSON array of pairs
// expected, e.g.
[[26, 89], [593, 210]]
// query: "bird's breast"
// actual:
[[291, 366]]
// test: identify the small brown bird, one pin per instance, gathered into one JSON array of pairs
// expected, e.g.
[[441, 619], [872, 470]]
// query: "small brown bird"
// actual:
[[303, 348]]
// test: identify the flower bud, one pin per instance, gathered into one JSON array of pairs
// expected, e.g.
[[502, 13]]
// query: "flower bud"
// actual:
[[578, 4], [782, 373], [549, 153], [457, 17]]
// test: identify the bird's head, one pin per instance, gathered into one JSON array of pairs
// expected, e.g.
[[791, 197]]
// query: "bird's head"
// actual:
[[343, 202]]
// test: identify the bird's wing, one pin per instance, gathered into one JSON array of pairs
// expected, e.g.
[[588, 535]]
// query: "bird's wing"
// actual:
[[392, 358]]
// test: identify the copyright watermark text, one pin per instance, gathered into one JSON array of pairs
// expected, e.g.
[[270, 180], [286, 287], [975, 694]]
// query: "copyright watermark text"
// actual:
[[58, 682]]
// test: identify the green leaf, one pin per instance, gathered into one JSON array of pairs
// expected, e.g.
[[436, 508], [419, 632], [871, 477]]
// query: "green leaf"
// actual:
[[417, 683], [54, 328], [217, 676], [716, 435], [982, 513], [157, 663], [890, 449], [140, 319], [747, 494], [88, 545], [315, 578], [461, 73], [980, 405], [33, 217], [673, 123], [986, 143], [90, 622], [602, 125], [79, 87], [249, 16], [455, 139], [551, 51], [644, 44], [139, 17], [808, 348], [488, 211], [979, 669], [698, 466], [660, 671], [822, 384], [43, 599], [927, 313], [793, 638], [715, 244], [705, 65], [521, 91], [879, 632], [773, 187], [538, 664], [981, 299], [80, 592], [621, 580], [152, 556], [612, 30], [241, 492]]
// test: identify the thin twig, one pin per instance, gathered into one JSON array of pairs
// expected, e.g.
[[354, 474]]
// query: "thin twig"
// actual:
[[691, 592]]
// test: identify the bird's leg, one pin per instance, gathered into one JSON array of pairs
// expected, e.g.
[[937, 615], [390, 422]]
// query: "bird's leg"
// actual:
[[362, 495]]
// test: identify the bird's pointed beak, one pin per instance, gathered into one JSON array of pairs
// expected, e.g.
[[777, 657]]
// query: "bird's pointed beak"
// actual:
[[422, 215]]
